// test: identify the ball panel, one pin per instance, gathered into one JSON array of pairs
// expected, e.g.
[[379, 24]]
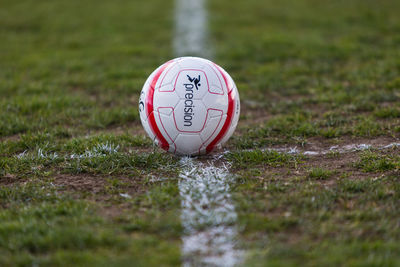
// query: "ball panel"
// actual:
[[232, 128], [190, 116], [189, 62], [216, 101], [214, 125], [228, 81], [166, 127], [236, 113], [144, 94], [165, 99], [227, 123], [154, 126], [166, 122], [216, 90], [150, 108], [216, 80], [168, 78], [188, 144]]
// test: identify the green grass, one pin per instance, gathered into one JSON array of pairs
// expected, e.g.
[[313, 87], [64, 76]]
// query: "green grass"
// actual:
[[374, 162], [94, 155], [40, 226], [76, 66], [71, 73], [323, 72], [246, 159], [350, 222], [319, 173], [326, 68], [79, 181]]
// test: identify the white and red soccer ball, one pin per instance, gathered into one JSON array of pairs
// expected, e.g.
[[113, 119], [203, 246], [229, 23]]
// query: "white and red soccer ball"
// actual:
[[189, 106]]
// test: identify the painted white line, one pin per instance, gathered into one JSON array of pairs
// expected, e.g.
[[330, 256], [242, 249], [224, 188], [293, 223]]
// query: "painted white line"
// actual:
[[333, 149], [104, 149], [100, 150], [391, 145], [338, 149], [191, 34], [208, 215]]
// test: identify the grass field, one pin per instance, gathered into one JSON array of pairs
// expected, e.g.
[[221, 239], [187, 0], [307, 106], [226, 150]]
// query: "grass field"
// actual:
[[81, 185]]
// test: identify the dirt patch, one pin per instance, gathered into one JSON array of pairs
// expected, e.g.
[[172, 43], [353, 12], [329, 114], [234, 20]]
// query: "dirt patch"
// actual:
[[15, 137], [319, 144], [114, 210], [97, 185], [338, 166], [341, 165], [79, 183], [108, 193], [11, 179]]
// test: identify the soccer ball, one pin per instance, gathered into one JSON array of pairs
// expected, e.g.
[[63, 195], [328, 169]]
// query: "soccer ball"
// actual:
[[189, 106]]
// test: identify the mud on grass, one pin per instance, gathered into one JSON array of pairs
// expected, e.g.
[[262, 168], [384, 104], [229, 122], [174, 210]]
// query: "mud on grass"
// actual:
[[50, 227], [311, 70], [88, 200], [327, 209], [100, 199]]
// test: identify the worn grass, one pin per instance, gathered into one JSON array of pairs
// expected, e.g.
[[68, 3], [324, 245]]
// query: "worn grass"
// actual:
[[70, 77], [80, 184], [314, 74], [328, 69]]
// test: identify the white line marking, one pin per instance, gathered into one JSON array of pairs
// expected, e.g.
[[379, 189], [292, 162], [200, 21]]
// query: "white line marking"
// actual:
[[191, 34], [104, 149], [336, 149], [332, 149], [208, 215]]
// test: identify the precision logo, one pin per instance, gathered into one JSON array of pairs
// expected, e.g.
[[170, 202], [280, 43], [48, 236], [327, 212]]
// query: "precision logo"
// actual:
[[188, 109], [195, 80]]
